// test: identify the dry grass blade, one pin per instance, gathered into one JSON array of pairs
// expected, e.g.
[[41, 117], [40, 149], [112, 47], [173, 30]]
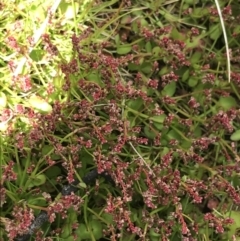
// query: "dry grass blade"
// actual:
[[225, 39]]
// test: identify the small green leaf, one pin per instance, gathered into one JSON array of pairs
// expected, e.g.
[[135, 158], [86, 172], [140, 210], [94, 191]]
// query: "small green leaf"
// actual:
[[233, 228], [135, 104], [173, 135], [186, 144], [126, 19], [227, 102], [37, 55], [53, 172], [235, 136], [108, 218], [158, 121], [185, 76], [146, 68], [96, 228], [148, 47], [197, 132], [158, 126], [133, 67], [72, 215], [215, 31], [176, 35], [158, 118], [66, 231], [156, 51], [46, 149], [67, 9], [83, 185], [192, 82], [149, 132], [82, 231], [143, 22], [153, 234], [40, 201], [39, 180], [169, 89], [199, 12], [163, 71], [94, 77], [40, 104], [196, 57], [71, 238], [124, 49], [164, 151], [117, 39]]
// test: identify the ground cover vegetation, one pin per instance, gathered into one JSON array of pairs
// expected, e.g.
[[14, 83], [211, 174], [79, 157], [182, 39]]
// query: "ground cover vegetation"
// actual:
[[138, 90]]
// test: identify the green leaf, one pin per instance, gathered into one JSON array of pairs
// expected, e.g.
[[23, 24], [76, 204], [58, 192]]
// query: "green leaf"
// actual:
[[133, 67], [72, 215], [153, 234], [158, 118], [40, 201], [215, 31], [46, 149], [197, 132], [96, 228], [149, 132], [124, 49], [82, 231], [108, 218], [158, 121], [37, 55], [132, 121], [126, 19], [173, 135], [186, 144], [144, 22], [154, 238], [185, 76], [82, 185], [199, 12], [71, 238], [192, 82], [164, 70], [135, 104], [169, 89], [67, 9], [146, 67], [156, 51], [227, 102], [66, 231], [235, 136], [94, 77], [40, 104], [196, 57], [37, 10], [53, 172], [176, 35], [233, 228], [117, 39], [148, 47], [39, 180]]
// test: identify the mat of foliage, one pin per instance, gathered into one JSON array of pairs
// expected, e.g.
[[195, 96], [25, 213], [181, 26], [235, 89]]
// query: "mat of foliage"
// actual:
[[142, 95]]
